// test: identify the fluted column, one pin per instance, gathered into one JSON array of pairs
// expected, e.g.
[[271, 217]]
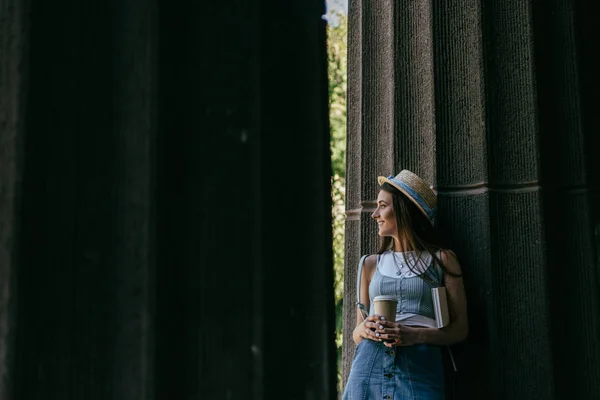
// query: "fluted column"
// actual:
[[352, 242], [413, 78], [390, 121], [462, 176], [372, 137], [520, 341]]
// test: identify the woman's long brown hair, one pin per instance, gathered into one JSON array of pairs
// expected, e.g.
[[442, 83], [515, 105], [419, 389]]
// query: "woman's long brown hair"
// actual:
[[420, 234]]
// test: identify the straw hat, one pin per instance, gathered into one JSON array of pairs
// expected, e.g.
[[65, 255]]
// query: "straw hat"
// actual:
[[415, 189]]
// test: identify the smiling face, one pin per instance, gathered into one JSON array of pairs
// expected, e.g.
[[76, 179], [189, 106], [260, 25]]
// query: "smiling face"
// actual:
[[384, 215]]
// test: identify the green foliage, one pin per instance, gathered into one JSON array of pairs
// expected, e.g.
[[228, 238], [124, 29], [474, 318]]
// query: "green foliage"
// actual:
[[337, 39], [338, 211], [337, 58]]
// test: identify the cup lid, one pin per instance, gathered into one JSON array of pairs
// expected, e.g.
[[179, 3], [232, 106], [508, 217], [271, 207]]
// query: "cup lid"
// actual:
[[385, 298]]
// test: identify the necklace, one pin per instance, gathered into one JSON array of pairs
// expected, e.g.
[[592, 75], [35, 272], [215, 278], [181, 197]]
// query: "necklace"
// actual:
[[399, 271]]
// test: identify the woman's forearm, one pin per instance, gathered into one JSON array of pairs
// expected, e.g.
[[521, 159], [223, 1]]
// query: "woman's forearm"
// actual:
[[356, 336], [453, 333]]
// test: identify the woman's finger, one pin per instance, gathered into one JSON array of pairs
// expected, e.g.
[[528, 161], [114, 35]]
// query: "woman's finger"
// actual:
[[387, 336], [369, 331], [372, 335], [387, 324], [373, 325], [373, 318], [394, 338], [376, 327]]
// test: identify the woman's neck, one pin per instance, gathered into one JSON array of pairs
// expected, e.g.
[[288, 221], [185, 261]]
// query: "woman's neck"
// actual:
[[400, 245]]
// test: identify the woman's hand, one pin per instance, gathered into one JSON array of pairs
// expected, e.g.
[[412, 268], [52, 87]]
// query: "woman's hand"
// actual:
[[368, 329], [394, 334]]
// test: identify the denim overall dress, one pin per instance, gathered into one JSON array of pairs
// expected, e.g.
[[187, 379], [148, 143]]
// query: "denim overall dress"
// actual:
[[403, 372]]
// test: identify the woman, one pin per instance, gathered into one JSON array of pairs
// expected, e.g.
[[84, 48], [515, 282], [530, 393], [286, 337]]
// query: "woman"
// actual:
[[402, 359]]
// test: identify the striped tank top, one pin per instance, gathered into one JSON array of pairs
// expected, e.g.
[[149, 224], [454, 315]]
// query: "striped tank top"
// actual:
[[400, 274]]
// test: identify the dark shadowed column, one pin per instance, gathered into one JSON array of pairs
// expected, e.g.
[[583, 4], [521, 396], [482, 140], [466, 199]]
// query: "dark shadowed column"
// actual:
[[567, 140], [86, 259], [67, 244], [13, 71], [245, 294], [135, 94], [295, 212], [173, 236], [208, 204]]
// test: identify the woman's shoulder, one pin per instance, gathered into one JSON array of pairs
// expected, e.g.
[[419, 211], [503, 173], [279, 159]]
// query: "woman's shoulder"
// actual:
[[447, 254], [370, 263], [450, 260]]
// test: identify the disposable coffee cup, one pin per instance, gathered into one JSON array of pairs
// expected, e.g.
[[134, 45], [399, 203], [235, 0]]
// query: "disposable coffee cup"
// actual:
[[386, 307]]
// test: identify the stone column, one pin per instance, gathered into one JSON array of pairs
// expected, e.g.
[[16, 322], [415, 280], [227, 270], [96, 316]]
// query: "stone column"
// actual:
[[13, 72], [390, 120]]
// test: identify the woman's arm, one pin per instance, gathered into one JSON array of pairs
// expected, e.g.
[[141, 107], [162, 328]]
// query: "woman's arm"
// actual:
[[362, 329], [454, 332]]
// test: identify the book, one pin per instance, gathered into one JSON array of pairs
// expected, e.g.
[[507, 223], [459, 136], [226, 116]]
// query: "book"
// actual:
[[440, 306]]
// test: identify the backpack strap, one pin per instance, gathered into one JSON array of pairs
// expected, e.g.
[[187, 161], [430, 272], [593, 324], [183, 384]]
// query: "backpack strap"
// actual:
[[438, 267], [363, 310]]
